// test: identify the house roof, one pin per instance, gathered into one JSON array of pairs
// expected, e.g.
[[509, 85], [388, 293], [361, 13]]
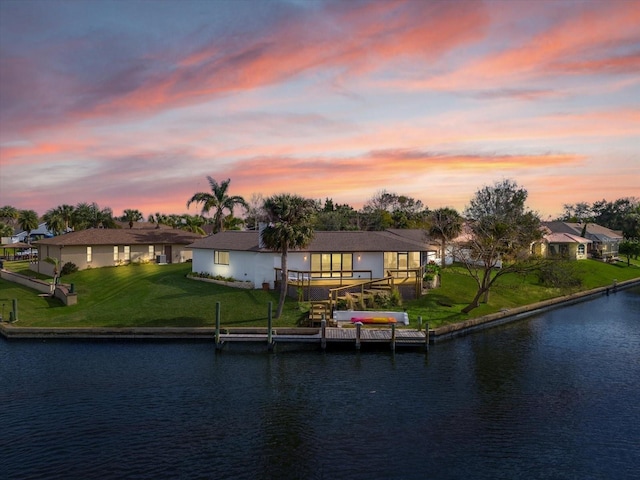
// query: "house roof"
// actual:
[[566, 238], [592, 230], [324, 241], [117, 236]]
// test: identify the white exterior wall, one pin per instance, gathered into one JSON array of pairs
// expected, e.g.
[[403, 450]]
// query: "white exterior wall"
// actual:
[[244, 266]]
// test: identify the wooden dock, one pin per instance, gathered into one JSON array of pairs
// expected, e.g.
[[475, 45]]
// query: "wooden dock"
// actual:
[[326, 336]]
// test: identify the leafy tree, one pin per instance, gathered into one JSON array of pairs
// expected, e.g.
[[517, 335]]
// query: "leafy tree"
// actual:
[[629, 248], [290, 227], [28, 220], [579, 212], [445, 225], [612, 214], [502, 230], [254, 211], [131, 216], [334, 216], [219, 200], [386, 210]]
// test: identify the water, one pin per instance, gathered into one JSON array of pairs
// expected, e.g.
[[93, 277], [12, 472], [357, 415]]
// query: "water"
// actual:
[[552, 397]]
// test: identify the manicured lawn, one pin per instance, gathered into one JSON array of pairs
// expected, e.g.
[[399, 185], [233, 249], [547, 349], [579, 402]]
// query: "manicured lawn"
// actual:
[[145, 296], [162, 295]]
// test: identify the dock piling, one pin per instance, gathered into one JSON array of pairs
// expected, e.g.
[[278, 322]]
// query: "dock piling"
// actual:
[[217, 330], [393, 337], [323, 333], [358, 332]]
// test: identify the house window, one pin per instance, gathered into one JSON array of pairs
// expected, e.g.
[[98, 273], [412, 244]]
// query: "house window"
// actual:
[[152, 251], [221, 257], [89, 254], [115, 253], [127, 253], [401, 261], [581, 249], [327, 265]]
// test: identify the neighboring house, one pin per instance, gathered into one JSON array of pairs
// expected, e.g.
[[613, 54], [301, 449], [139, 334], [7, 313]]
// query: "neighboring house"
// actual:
[[104, 247], [333, 258], [604, 241], [41, 232], [562, 245]]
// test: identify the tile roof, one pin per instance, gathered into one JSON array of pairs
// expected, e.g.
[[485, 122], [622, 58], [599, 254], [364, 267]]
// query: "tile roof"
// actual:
[[323, 241], [117, 236]]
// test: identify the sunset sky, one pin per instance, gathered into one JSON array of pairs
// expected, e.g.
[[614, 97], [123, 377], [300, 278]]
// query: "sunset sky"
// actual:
[[131, 104]]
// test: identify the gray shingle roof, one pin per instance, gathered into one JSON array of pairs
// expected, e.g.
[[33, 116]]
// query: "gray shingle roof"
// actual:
[[116, 236], [334, 241]]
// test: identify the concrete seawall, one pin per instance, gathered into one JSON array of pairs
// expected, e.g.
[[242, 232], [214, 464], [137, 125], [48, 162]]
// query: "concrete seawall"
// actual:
[[514, 314]]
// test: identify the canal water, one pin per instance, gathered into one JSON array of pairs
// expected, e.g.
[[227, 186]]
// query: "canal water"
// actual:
[[555, 396]]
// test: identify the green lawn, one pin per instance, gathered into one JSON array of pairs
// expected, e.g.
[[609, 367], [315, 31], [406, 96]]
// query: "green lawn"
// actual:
[[161, 295]]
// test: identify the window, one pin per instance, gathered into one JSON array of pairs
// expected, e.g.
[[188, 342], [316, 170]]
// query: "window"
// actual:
[[401, 261], [326, 265], [115, 253], [152, 251], [221, 257], [89, 254], [127, 253], [581, 249]]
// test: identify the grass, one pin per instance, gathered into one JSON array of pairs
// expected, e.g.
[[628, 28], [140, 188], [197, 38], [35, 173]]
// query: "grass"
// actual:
[[162, 295], [144, 296]]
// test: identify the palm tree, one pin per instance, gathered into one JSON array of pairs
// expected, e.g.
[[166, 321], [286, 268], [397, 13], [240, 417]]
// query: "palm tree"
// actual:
[[5, 230], [290, 219], [58, 219], [445, 224], [28, 220], [219, 200], [158, 218], [193, 223], [90, 215], [8, 213], [131, 216]]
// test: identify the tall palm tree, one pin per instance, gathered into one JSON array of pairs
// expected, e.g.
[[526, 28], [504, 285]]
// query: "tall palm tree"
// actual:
[[290, 218], [132, 216], [445, 224], [8, 213], [219, 200], [28, 220], [158, 218], [59, 219]]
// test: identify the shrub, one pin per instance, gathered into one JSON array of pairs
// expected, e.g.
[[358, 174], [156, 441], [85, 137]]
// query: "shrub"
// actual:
[[69, 268], [559, 274]]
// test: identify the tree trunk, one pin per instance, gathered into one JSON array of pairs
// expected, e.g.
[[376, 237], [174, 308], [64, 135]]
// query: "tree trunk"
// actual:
[[283, 282], [442, 253], [475, 302]]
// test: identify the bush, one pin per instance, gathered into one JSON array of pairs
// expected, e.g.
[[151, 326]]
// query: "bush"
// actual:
[[69, 268], [559, 274]]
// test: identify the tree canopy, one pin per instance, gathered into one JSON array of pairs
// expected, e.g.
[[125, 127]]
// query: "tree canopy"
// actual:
[[501, 231]]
